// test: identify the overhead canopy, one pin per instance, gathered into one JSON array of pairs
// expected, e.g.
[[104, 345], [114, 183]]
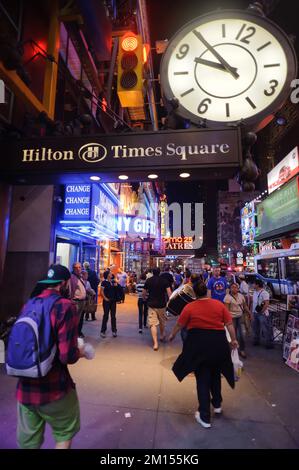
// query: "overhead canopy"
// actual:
[[204, 153]]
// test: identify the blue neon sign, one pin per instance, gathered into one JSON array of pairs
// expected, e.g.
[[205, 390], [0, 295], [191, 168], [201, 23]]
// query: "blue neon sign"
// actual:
[[90, 210], [77, 202]]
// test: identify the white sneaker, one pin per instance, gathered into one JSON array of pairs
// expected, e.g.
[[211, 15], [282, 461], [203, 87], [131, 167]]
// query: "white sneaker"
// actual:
[[218, 411], [200, 421]]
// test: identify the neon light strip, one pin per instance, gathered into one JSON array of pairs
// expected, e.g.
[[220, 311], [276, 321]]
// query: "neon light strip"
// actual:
[[89, 223]]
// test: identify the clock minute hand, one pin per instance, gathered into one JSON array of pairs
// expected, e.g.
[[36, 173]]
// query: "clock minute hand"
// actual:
[[230, 69], [215, 65]]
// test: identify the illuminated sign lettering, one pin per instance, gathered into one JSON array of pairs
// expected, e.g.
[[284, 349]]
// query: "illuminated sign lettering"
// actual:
[[136, 226], [77, 201], [178, 243], [90, 210]]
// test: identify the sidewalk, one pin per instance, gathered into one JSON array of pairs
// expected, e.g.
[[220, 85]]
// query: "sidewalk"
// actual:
[[130, 398]]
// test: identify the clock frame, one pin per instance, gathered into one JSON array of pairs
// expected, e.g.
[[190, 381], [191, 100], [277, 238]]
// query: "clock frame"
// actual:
[[243, 16]]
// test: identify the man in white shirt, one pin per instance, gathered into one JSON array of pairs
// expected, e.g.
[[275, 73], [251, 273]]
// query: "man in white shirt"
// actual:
[[262, 321], [244, 287]]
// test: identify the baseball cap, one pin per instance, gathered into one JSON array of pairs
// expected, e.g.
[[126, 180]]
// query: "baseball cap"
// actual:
[[56, 274]]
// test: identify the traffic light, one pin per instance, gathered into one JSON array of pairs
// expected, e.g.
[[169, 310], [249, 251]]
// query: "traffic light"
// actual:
[[130, 71]]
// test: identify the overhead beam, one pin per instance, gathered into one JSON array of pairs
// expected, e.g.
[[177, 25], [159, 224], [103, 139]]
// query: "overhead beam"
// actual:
[[50, 80], [21, 90]]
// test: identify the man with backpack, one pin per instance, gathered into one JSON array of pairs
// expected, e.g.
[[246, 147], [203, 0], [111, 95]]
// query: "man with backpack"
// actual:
[[48, 324]]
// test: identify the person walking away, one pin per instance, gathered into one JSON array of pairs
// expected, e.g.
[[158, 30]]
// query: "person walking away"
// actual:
[[262, 319], [217, 286], [188, 289], [109, 294], [122, 279], [90, 305], [178, 279], [158, 291], [206, 351], [142, 304], [168, 277], [236, 304], [52, 399], [93, 278], [78, 294]]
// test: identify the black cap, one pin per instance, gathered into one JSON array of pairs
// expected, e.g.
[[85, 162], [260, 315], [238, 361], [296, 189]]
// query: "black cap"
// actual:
[[56, 274]]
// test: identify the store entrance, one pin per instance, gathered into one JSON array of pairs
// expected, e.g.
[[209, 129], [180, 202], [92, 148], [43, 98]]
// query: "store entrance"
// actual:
[[67, 253]]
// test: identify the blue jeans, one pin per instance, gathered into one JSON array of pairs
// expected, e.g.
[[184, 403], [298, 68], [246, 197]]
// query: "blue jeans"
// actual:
[[143, 311], [237, 322], [262, 325]]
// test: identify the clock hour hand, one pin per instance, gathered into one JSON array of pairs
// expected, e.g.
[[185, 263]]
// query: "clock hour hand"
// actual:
[[222, 61], [215, 65]]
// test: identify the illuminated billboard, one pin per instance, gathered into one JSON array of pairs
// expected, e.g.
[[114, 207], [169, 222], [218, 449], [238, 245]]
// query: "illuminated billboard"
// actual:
[[279, 212], [284, 171], [248, 225], [90, 210]]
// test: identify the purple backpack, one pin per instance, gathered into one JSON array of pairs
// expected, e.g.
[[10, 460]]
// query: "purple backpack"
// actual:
[[31, 345]]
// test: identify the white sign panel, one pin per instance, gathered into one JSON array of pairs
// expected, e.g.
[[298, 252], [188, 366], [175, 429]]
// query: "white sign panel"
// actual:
[[284, 171]]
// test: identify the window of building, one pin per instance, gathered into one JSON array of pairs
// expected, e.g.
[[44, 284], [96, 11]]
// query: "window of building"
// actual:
[[10, 26], [292, 268]]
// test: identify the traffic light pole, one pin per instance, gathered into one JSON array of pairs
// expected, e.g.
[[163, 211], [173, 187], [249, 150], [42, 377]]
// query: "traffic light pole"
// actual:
[[112, 68]]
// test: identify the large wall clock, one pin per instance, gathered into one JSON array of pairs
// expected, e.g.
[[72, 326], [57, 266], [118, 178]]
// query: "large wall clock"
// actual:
[[227, 66]]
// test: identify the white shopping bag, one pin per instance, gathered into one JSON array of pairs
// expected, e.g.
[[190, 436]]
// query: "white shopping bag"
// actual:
[[238, 365]]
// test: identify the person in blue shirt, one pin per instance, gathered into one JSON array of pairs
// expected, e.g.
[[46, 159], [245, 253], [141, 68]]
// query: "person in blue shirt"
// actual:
[[217, 286]]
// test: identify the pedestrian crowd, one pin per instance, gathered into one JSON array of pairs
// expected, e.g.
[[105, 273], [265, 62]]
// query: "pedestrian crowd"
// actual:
[[214, 314]]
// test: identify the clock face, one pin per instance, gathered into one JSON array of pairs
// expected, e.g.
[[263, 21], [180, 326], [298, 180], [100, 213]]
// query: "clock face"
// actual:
[[228, 66]]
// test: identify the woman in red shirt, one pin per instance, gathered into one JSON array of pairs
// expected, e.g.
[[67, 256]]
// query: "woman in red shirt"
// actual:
[[206, 351]]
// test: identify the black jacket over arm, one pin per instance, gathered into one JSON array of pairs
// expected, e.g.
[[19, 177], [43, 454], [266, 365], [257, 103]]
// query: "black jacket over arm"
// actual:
[[205, 346]]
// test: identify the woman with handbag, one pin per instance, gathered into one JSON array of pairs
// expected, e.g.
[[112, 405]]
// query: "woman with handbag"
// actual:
[[206, 351], [236, 304]]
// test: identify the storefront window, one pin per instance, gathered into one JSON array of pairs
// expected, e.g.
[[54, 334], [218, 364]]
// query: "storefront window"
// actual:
[[292, 268]]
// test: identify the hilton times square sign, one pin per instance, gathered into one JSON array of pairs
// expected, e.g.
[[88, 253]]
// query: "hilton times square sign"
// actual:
[[133, 151]]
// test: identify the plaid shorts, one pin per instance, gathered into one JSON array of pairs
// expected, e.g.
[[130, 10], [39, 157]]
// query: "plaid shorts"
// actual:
[[62, 415]]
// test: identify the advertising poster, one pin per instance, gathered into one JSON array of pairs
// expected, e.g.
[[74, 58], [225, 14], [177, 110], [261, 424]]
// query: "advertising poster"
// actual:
[[291, 343], [280, 211], [248, 224], [284, 171], [229, 219]]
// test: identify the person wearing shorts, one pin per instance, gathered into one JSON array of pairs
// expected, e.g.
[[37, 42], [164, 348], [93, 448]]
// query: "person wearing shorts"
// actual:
[[63, 416], [52, 399], [158, 291]]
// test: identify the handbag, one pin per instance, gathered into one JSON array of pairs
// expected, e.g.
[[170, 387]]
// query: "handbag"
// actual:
[[259, 307], [237, 363]]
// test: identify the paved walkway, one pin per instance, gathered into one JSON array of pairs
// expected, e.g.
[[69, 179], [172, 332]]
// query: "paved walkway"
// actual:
[[130, 398]]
